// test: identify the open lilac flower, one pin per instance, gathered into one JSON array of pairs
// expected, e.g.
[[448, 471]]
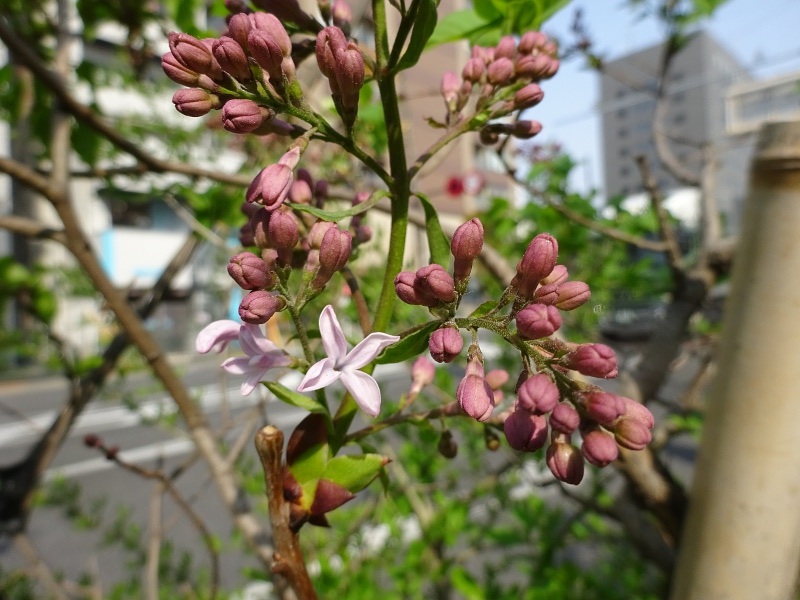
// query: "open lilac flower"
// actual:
[[262, 354], [344, 365]]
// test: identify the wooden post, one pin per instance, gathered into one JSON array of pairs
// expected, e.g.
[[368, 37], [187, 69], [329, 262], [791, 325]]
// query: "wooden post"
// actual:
[[741, 539]]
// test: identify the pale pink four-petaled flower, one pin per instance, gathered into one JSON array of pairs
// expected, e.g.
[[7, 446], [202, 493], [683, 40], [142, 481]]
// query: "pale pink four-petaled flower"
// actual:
[[343, 365], [262, 354]]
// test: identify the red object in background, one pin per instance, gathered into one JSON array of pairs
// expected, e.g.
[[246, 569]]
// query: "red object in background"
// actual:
[[454, 187]]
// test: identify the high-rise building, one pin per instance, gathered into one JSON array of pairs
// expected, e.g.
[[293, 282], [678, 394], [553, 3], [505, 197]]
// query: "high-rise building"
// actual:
[[695, 121]]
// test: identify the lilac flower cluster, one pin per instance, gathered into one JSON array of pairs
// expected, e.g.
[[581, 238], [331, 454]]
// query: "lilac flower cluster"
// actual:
[[505, 78], [549, 405]]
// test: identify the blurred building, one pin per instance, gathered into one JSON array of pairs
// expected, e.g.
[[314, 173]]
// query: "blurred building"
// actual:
[[748, 105], [695, 94]]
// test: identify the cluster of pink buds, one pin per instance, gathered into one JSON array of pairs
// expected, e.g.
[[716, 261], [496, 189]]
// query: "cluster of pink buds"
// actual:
[[506, 77], [227, 73], [549, 405]]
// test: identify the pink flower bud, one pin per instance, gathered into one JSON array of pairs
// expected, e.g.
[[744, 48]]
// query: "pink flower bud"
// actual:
[[472, 71], [593, 360], [530, 41], [526, 129], [537, 395], [408, 292], [232, 58], [564, 418], [290, 158], [334, 251], [500, 71], [267, 53], [193, 102], [239, 28], [250, 272], [445, 344], [350, 74], [565, 462], [422, 372], [497, 378], [437, 282], [300, 192], [599, 448], [283, 235], [331, 42], [603, 407], [637, 411], [246, 235], [191, 53], [449, 89], [243, 116], [259, 306], [534, 67], [572, 294], [475, 397], [341, 13], [525, 432], [536, 264], [177, 72], [253, 193], [260, 225], [632, 434], [536, 321], [466, 244], [557, 276], [546, 294], [317, 233], [270, 23], [506, 48], [276, 180], [528, 96]]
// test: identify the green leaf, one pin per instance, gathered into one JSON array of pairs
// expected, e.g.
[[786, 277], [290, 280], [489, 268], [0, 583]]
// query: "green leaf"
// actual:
[[464, 24], [408, 347], [424, 24], [486, 9], [437, 241], [338, 215], [295, 398], [354, 473], [309, 466], [483, 309]]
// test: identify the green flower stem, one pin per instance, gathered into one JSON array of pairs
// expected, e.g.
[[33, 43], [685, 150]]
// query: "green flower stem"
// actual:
[[302, 334]]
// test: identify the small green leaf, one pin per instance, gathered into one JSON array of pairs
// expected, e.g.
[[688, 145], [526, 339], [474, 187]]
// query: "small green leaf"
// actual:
[[465, 24], [309, 466], [338, 215], [295, 398], [483, 309], [408, 347], [437, 240], [354, 473], [424, 24]]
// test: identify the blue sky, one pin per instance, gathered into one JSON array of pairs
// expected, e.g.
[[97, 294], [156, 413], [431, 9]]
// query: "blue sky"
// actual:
[[762, 34]]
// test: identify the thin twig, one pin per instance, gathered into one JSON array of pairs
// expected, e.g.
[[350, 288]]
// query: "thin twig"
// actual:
[[25, 547], [154, 542], [666, 230]]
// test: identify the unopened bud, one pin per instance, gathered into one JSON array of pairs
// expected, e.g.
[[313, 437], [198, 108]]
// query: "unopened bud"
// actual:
[[572, 294], [530, 41], [564, 418], [466, 244], [422, 372], [491, 440], [528, 96], [445, 344], [593, 360], [317, 233], [524, 431], [447, 445], [191, 53], [276, 180], [300, 192], [534, 67], [449, 89], [334, 251], [350, 74], [639, 412], [193, 102], [558, 275], [497, 378], [232, 58], [536, 321], [331, 42], [411, 294], [260, 224], [243, 116], [267, 53], [341, 14], [178, 72], [270, 23], [475, 397], [603, 407], [239, 27], [500, 71], [565, 462], [91, 440], [546, 294], [632, 434], [283, 235], [537, 395], [537, 263], [250, 272], [434, 280], [473, 71], [526, 129], [259, 306], [599, 448]]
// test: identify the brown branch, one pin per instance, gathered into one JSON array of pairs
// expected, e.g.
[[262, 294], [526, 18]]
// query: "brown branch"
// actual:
[[30, 228], [358, 298], [154, 542], [24, 174], [288, 559], [665, 228]]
